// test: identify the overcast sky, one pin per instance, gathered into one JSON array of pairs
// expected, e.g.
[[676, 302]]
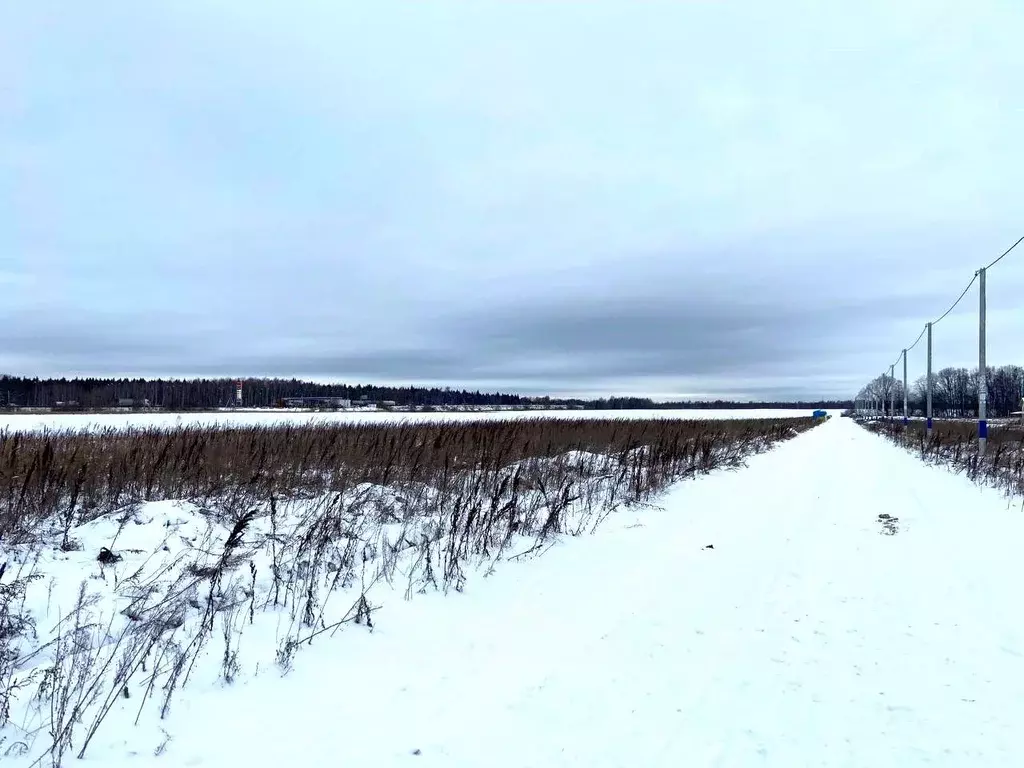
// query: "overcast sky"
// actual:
[[676, 199]]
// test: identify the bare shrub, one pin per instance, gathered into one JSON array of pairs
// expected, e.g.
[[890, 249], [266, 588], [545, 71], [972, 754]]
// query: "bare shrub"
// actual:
[[16, 626]]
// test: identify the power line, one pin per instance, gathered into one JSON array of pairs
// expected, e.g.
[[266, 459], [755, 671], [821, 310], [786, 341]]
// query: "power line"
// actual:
[[1005, 252], [919, 337], [936, 322], [958, 300]]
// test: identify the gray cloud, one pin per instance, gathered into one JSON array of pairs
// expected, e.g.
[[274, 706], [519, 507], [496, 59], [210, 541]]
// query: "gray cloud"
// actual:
[[665, 198], [85, 340]]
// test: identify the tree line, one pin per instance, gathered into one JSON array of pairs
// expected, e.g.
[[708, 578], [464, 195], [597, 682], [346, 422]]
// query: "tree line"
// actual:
[[185, 394], [954, 392], [616, 403], [198, 394]]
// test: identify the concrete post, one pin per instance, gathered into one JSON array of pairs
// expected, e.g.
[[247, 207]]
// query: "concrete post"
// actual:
[[892, 392], [928, 385], [982, 368], [906, 414]]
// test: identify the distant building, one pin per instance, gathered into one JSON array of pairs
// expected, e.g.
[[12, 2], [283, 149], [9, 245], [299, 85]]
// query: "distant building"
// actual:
[[133, 402], [316, 402]]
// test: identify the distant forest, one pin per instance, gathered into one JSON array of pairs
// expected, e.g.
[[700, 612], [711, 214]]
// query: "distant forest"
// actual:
[[178, 394], [954, 392]]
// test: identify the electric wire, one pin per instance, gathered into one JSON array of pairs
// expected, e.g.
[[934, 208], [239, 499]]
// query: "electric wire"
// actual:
[[943, 315], [919, 337], [1005, 252], [957, 302]]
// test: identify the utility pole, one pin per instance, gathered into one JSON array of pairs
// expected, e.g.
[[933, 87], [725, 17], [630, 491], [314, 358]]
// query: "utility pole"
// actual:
[[928, 384], [906, 415], [892, 392], [982, 370]]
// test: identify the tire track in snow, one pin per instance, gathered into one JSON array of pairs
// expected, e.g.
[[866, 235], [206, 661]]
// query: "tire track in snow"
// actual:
[[787, 523]]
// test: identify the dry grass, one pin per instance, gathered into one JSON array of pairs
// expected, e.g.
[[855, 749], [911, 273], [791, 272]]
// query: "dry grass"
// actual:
[[77, 476]]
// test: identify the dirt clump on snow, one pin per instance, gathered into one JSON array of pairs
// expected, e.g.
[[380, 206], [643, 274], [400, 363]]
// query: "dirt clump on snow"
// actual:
[[890, 524]]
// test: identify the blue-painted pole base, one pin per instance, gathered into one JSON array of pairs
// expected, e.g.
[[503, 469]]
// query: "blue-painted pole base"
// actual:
[[929, 422], [906, 421], [983, 429]]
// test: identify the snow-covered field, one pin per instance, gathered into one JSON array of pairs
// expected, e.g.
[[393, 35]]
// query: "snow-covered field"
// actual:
[[96, 421], [836, 603]]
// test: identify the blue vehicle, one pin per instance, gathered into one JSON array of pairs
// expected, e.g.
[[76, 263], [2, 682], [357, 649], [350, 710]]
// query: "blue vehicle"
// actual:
[[819, 414]]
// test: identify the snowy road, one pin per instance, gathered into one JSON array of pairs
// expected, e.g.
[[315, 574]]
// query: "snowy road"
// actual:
[[805, 637]]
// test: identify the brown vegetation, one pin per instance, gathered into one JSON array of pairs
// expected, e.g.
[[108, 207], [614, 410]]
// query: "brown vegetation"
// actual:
[[79, 476]]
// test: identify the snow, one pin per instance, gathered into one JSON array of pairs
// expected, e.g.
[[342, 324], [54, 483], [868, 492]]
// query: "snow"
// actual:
[[26, 422], [811, 632]]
